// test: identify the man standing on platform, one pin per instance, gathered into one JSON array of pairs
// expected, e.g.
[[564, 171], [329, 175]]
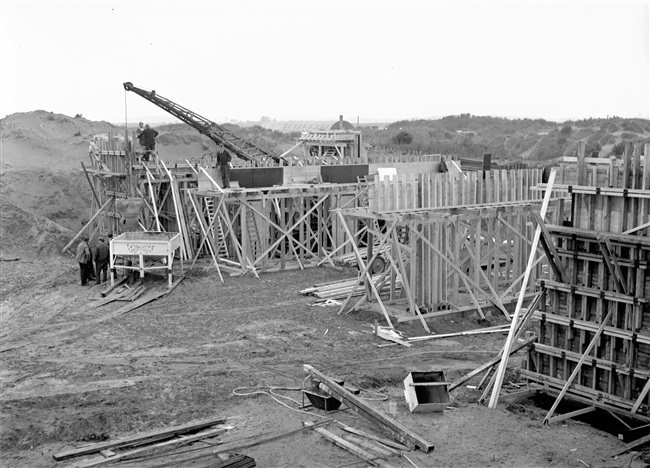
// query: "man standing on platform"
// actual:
[[223, 159], [149, 136]]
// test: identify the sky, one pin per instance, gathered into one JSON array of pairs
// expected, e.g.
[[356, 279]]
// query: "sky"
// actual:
[[307, 60]]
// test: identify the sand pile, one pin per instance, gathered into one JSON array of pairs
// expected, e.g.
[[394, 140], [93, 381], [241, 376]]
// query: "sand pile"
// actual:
[[24, 234]]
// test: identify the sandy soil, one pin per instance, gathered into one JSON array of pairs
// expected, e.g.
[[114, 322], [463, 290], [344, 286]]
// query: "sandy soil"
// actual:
[[74, 374]]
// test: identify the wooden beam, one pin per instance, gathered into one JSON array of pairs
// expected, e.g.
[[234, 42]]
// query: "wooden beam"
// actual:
[[549, 248], [92, 188], [173, 443], [367, 435], [641, 397], [375, 416], [500, 373], [572, 414], [576, 371], [632, 445], [350, 447], [490, 363], [139, 439], [104, 206]]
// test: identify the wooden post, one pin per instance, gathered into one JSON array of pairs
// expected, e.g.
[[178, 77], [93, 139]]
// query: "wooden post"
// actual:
[[494, 398]]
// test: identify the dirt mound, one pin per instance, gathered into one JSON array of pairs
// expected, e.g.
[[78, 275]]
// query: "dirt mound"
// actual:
[[29, 235]]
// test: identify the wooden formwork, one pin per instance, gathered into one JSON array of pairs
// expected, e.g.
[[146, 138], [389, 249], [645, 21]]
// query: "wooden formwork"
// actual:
[[594, 316], [275, 228], [454, 240]]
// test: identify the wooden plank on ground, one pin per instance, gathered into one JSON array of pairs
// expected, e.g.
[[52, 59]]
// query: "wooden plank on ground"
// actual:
[[139, 439], [375, 416], [344, 444], [173, 443], [632, 445], [367, 435]]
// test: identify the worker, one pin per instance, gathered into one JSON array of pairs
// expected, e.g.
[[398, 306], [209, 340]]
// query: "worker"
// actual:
[[102, 254], [139, 134], [443, 165], [83, 257], [223, 159], [149, 137], [92, 149]]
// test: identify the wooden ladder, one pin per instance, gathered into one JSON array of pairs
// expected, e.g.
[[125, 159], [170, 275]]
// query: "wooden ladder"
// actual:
[[223, 249], [253, 234]]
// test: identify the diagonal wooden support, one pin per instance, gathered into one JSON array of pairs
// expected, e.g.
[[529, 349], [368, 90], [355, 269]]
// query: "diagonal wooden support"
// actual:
[[286, 233], [99, 211], [331, 254], [365, 273], [205, 236], [494, 398], [549, 248], [641, 397], [153, 201], [205, 229], [496, 301], [612, 263], [576, 371], [474, 258]]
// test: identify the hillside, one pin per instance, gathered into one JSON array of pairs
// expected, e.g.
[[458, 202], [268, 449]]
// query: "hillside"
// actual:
[[46, 198], [471, 136]]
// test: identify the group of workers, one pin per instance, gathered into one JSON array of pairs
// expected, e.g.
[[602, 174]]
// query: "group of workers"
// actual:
[[147, 139], [93, 261]]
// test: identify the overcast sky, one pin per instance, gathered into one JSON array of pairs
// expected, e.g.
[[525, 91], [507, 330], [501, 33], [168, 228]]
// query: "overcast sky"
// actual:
[[371, 60]]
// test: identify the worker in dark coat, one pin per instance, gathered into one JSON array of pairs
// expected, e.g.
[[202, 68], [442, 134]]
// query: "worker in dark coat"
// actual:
[[83, 258], [102, 254], [148, 136], [223, 159]]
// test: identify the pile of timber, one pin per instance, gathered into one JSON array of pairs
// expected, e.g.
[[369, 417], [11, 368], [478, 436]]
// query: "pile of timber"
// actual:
[[150, 443], [351, 258], [341, 289], [406, 438]]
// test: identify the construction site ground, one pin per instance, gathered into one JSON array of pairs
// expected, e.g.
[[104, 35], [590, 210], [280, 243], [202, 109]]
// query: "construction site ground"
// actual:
[[73, 374]]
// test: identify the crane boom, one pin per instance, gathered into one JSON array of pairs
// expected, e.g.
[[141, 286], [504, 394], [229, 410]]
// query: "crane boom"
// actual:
[[242, 148]]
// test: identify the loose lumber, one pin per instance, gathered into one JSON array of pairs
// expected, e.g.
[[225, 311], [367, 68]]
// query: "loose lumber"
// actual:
[[344, 444], [490, 363], [479, 331], [367, 435], [228, 447], [397, 430], [572, 414], [373, 447], [117, 284], [173, 443], [236, 461], [139, 439], [632, 445]]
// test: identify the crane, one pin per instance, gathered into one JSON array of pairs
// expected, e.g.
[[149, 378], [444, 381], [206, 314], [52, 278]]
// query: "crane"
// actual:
[[242, 148]]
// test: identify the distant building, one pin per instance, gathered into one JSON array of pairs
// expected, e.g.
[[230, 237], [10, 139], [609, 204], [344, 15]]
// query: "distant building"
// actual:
[[289, 126]]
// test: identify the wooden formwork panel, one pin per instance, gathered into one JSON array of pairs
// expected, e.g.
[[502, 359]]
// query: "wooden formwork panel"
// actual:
[[604, 277]]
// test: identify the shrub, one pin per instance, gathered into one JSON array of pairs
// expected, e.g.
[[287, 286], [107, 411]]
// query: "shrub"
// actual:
[[78, 116], [403, 138]]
